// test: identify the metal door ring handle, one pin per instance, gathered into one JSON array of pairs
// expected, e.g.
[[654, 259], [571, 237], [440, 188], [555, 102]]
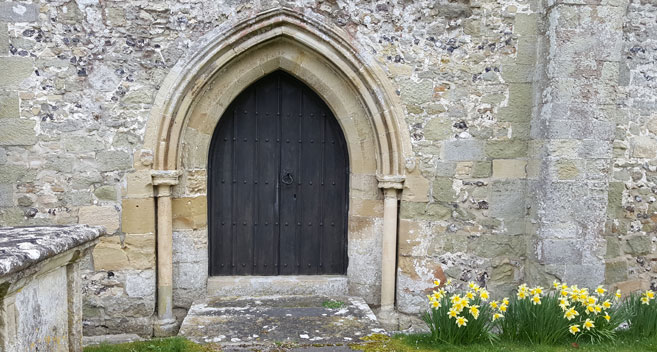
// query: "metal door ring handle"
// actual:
[[287, 178]]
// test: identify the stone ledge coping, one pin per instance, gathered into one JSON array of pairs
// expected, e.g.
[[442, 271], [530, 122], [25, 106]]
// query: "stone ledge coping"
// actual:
[[21, 247]]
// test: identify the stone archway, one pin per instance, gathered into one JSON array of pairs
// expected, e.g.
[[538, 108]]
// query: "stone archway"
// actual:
[[199, 88]]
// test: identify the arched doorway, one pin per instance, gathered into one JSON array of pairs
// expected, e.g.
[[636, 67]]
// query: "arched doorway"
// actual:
[[278, 175]]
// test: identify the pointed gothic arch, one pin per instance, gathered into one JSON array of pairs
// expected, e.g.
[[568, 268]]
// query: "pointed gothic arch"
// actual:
[[202, 84]]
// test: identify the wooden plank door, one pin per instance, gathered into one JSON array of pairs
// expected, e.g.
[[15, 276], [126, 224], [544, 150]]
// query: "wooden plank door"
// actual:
[[277, 184]]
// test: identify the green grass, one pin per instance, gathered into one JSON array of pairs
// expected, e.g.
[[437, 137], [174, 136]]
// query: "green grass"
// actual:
[[424, 343], [172, 344], [333, 304], [402, 343]]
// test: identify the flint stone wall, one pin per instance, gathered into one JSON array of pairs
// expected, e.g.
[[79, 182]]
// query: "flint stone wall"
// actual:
[[40, 286], [531, 125]]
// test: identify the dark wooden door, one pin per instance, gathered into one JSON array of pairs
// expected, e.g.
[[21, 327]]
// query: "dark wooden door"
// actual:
[[277, 184]]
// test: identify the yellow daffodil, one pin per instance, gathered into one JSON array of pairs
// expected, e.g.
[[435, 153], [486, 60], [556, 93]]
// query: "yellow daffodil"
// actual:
[[590, 309], [588, 324], [606, 316], [470, 295], [650, 294], [618, 294], [435, 304], [564, 293], [455, 299], [461, 321], [591, 300], [494, 304], [538, 290], [598, 308], [503, 307], [474, 310], [452, 313], [564, 286], [563, 303], [505, 300], [536, 299], [574, 329], [570, 314], [449, 281], [645, 300], [606, 304], [522, 294], [484, 295], [556, 284], [600, 291], [497, 316], [437, 282]]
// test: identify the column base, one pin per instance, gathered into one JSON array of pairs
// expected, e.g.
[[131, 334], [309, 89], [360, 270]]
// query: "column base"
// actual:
[[165, 327], [388, 318]]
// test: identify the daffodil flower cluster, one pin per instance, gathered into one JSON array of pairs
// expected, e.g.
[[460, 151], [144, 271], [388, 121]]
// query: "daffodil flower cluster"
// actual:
[[647, 296], [460, 315], [463, 303], [534, 294], [584, 308]]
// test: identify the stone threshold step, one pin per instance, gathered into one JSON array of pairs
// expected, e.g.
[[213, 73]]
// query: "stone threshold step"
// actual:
[[299, 320], [329, 285]]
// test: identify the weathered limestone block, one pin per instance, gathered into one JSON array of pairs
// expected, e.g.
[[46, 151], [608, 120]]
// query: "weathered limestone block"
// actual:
[[509, 168], [416, 189], [137, 251], [106, 216], [14, 70], [17, 132], [438, 129], [6, 195], [18, 12], [113, 160], [106, 193], [4, 39], [507, 199], [644, 147], [138, 215], [139, 185], [189, 213], [616, 271], [639, 245], [461, 150], [506, 149], [9, 105]]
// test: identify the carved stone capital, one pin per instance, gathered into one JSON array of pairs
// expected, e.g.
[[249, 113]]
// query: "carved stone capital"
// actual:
[[163, 180], [165, 177], [391, 181]]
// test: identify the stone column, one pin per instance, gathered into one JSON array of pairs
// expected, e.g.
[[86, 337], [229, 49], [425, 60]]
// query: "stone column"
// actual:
[[162, 181], [390, 185]]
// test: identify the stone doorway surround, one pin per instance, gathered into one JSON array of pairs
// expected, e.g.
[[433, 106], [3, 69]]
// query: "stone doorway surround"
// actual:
[[216, 69]]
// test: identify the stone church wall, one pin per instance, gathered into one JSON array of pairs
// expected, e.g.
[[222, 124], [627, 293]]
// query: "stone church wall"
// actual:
[[532, 125]]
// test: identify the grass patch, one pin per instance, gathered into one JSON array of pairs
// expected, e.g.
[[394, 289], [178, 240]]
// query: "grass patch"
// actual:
[[333, 304], [171, 344], [425, 343]]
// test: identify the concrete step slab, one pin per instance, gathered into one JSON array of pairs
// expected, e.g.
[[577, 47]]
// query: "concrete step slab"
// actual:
[[279, 320], [110, 339], [296, 285]]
